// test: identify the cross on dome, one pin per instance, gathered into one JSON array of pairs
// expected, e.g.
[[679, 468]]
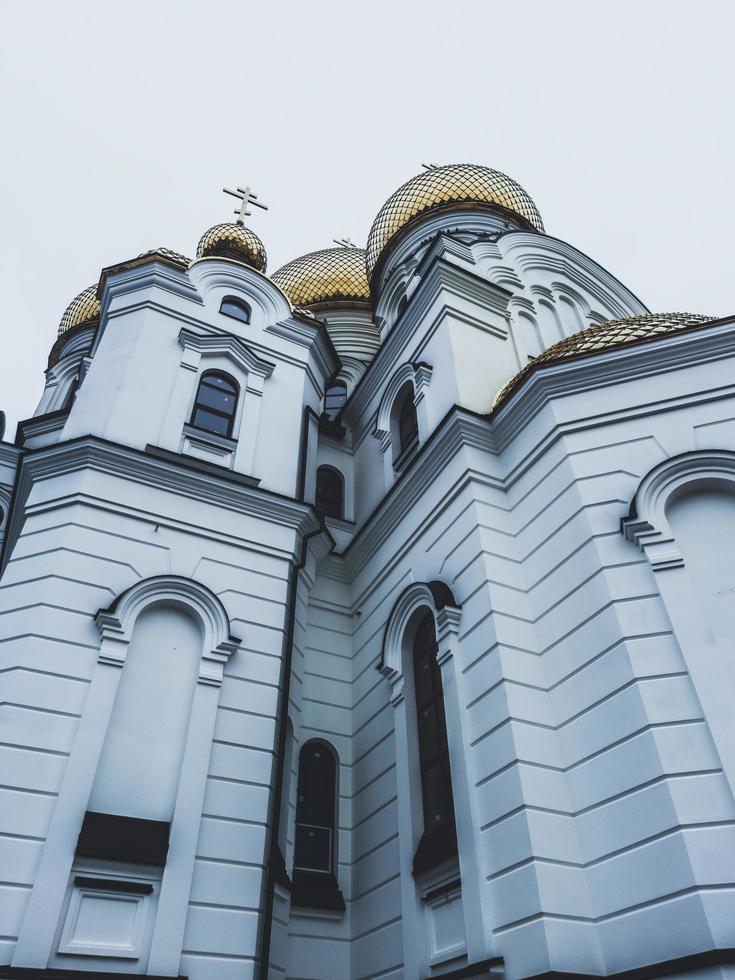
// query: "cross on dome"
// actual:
[[246, 197]]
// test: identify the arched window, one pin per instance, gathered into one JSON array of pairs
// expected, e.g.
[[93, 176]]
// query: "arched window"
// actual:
[[215, 405], [402, 304], [405, 426], [330, 492], [334, 398], [71, 394], [436, 777], [316, 804], [231, 306], [314, 882]]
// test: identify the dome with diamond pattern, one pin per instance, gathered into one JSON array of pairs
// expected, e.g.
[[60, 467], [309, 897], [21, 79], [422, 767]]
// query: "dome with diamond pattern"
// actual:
[[448, 188], [604, 336], [233, 241], [84, 308], [325, 278]]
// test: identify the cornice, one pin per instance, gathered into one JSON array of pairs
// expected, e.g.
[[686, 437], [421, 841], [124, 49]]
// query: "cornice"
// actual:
[[458, 429], [40, 425], [442, 276], [153, 271], [9, 453], [78, 340], [230, 345], [314, 337], [179, 476], [660, 355], [557, 256]]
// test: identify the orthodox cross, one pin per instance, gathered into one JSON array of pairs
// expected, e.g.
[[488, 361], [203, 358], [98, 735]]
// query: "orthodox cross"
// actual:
[[429, 166], [246, 198], [344, 242]]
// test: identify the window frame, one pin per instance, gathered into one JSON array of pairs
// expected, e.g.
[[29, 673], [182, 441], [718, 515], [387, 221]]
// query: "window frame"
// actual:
[[238, 304], [406, 442], [432, 705], [230, 416], [332, 470], [330, 413], [333, 790]]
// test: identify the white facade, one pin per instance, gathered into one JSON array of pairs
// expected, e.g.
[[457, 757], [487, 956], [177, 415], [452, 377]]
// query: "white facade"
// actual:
[[178, 620]]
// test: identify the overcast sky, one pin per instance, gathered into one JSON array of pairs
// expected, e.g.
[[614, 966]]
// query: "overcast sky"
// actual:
[[121, 121]]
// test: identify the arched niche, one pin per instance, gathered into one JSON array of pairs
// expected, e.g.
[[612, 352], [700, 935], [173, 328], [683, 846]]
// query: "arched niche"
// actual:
[[210, 646], [683, 517]]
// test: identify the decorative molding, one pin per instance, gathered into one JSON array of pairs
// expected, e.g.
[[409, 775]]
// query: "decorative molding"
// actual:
[[438, 597], [647, 524], [215, 274], [432, 301], [314, 337], [458, 429], [228, 346], [41, 425], [419, 375], [116, 623], [530, 252], [557, 379], [177, 474]]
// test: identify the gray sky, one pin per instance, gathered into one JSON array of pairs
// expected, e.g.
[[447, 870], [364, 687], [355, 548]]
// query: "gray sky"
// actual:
[[121, 122]]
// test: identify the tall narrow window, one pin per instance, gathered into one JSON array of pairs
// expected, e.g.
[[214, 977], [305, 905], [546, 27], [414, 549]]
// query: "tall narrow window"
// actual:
[[334, 398], [314, 882], [315, 809], [231, 306], [71, 394], [436, 778], [330, 492], [215, 405], [405, 426]]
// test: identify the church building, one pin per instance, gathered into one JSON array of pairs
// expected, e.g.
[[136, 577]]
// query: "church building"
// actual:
[[373, 618]]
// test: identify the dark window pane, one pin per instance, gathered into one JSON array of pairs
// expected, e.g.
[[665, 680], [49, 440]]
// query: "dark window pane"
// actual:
[[316, 805], [236, 309], [218, 381], [221, 401], [437, 792], [329, 492], [335, 398], [436, 780], [317, 764], [216, 401], [313, 848], [315, 808], [408, 426], [210, 422], [424, 675], [429, 733]]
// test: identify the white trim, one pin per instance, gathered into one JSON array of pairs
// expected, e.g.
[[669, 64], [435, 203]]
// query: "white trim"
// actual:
[[419, 376], [116, 626], [396, 656], [648, 527]]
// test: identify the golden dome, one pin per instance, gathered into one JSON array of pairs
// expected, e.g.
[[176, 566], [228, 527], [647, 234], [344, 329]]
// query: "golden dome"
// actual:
[[332, 275], [233, 241], [442, 188], [82, 309], [605, 336]]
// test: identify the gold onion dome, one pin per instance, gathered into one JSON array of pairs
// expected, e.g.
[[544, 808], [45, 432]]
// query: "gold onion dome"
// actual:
[[83, 309], [602, 337], [458, 185], [233, 241], [332, 275]]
